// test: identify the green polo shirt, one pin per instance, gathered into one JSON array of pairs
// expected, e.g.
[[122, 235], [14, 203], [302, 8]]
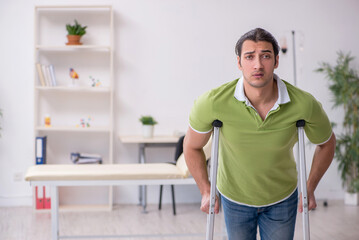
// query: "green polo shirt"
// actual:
[[256, 164]]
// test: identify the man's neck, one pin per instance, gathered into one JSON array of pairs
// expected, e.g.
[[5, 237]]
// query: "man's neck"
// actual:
[[263, 96]]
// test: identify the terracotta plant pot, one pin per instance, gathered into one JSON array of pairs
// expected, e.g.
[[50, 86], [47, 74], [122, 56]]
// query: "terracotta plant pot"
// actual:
[[73, 40]]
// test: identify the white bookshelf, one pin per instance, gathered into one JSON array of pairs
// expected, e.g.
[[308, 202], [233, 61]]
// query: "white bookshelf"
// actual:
[[68, 105]]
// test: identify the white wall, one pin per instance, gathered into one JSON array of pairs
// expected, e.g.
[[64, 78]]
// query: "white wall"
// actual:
[[166, 54]]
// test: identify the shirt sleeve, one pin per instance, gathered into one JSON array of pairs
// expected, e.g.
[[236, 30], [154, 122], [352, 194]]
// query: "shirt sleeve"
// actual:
[[318, 128], [201, 116]]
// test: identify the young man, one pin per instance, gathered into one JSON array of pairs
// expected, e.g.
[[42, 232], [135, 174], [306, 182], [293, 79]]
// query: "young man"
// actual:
[[257, 175]]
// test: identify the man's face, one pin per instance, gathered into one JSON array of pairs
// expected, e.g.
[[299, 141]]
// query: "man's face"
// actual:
[[257, 63]]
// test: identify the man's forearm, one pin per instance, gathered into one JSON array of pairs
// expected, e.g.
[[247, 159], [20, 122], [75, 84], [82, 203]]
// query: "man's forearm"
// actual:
[[323, 156], [196, 159], [196, 163]]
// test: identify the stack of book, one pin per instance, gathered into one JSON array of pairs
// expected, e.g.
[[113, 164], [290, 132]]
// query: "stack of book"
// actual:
[[85, 158], [46, 74]]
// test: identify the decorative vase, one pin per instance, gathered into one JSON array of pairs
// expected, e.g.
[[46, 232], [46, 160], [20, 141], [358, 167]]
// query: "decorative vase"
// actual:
[[147, 131], [351, 199], [73, 40]]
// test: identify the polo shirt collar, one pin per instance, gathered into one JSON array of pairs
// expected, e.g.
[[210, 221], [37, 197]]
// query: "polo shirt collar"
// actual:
[[283, 96]]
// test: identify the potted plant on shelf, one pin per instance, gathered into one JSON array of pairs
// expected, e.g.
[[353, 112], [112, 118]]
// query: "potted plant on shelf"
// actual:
[[148, 123], [344, 84], [75, 32]]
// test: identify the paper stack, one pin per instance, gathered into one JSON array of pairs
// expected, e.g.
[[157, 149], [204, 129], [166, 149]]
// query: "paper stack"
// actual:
[[86, 158]]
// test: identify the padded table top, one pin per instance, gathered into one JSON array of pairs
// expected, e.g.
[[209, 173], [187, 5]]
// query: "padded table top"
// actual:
[[56, 172]]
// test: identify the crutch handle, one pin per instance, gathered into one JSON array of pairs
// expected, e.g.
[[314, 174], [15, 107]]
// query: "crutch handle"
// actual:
[[217, 123], [300, 123]]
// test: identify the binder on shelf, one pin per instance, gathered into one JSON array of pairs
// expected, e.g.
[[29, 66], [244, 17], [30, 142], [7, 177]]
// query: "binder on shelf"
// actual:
[[39, 197], [40, 150], [47, 199], [40, 74]]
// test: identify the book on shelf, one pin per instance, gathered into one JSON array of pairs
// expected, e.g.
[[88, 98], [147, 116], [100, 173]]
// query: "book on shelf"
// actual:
[[44, 71], [46, 74], [86, 158], [52, 75], [40, 74]]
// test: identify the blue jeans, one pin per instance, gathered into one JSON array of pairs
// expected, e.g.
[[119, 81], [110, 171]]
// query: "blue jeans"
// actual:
[[276, 222]]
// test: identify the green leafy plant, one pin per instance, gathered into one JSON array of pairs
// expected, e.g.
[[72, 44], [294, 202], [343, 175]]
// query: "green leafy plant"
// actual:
[[76, 29], [147, 120], [344, 84]]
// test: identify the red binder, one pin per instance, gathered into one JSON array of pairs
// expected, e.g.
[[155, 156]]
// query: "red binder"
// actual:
[[39, 197], [47, 199]]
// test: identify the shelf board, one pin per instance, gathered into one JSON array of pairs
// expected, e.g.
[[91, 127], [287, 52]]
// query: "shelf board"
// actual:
[[74, 89], [72, 129], [71, 47]]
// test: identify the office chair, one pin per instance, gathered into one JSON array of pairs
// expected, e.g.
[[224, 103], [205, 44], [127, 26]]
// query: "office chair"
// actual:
[[179, 151]]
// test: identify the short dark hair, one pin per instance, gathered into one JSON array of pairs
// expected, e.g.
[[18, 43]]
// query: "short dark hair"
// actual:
[[257, 35]]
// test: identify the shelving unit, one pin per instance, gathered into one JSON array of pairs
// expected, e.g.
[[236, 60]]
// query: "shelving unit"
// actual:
[[69, 105]]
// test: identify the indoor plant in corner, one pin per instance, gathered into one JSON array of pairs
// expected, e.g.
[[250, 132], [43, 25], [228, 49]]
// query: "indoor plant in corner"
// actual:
[[75, 32], [344, 84], [148, 123]]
